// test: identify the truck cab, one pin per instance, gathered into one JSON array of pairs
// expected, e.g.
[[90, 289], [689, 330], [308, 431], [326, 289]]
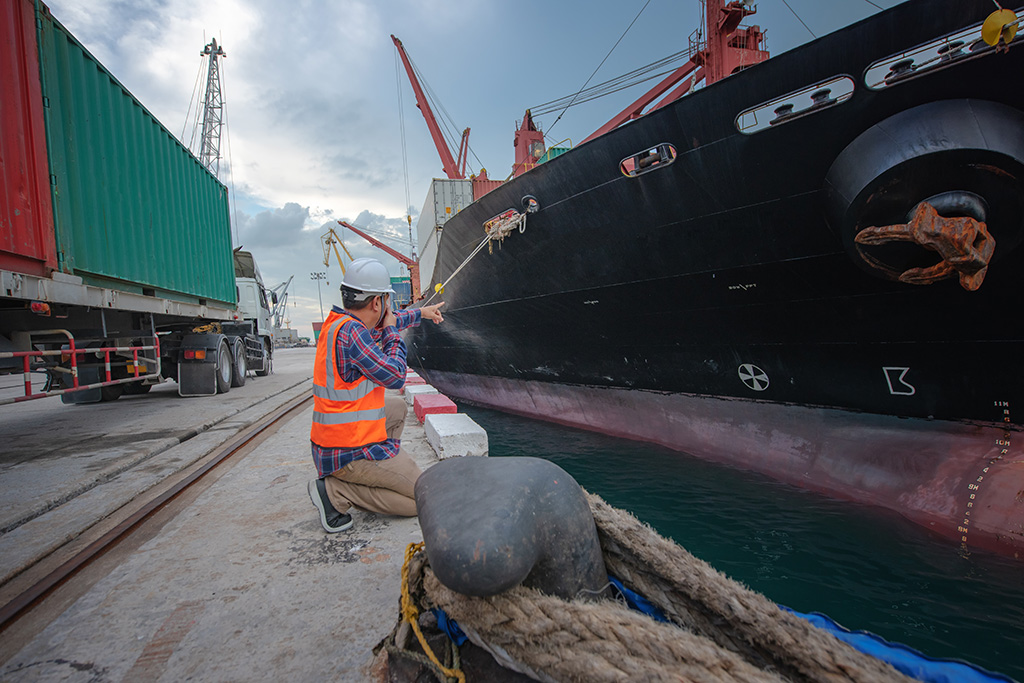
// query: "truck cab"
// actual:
[[253, 304]]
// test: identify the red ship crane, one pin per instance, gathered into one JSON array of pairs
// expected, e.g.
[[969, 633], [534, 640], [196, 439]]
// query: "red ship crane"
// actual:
[[455, 170], [728, 49], [412, 265]]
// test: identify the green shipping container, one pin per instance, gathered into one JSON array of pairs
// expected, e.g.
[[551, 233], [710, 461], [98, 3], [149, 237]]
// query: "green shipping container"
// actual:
[[133, 208]]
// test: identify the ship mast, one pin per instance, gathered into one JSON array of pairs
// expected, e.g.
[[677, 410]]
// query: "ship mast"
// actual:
[[209, 149]]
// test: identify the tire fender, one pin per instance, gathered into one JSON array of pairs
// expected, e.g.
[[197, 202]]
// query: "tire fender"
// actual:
[[949, 148]]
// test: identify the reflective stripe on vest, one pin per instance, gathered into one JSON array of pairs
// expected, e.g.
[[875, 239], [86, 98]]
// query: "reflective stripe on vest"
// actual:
[[345, 414], [346, 418]]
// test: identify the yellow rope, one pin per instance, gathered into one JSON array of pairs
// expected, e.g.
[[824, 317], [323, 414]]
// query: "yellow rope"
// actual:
[[410, 614], [209, 327]]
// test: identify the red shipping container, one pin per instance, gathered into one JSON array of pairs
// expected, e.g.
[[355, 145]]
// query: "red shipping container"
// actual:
[[27, 242], [482, 187], [429, 404]]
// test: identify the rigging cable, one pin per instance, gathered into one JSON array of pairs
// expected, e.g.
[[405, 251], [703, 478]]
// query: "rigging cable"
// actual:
[[629, 78], [401, 126], [602, 63], [873, 4], [231, 164], [602, 90], [799, 19], [196, 122], [455, 135], [381, 233], [453, 139], [195, 87]]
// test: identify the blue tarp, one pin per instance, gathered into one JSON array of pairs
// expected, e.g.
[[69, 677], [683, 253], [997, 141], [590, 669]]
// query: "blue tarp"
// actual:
[[905, 659], [449, 626], [637, 601]]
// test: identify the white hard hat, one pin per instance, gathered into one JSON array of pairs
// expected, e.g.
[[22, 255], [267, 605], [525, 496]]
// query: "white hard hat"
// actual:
[[367, 276]]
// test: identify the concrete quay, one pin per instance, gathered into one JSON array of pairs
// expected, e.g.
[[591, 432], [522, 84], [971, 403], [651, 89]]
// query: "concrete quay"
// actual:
[[239, 583]]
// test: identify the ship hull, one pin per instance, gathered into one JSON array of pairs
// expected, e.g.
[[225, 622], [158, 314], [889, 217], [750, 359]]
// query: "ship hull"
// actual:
[[719, 305], [952, 478]]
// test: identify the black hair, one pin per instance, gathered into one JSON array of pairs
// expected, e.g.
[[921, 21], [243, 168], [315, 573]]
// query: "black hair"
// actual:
[[353, 300]]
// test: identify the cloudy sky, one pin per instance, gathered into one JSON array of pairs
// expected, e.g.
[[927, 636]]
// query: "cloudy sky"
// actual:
[[312, 91]]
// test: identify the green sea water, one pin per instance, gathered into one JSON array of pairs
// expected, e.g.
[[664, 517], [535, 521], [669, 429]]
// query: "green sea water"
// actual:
[[867, 568]]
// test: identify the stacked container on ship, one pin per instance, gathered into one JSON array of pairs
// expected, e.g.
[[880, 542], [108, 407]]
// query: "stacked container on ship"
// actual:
[[811, 267], [116, 262]]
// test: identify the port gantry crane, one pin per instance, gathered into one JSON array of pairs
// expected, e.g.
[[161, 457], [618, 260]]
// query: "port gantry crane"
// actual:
[[411, 263], [329, 240], [279, 296]]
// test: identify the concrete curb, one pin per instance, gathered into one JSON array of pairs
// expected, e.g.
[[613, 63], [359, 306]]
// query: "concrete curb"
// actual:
[[453, 436], [449, 433]]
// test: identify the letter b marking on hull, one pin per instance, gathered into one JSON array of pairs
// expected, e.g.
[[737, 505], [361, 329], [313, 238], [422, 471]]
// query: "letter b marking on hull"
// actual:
[[897, 385]]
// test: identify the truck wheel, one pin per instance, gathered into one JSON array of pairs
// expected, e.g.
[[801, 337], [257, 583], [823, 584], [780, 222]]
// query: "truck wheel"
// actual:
[[268, 362], [223, 367], [135, 388], [238, 365]]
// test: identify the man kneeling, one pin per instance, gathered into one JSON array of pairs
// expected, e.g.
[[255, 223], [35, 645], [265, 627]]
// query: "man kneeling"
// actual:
[[356, 429]]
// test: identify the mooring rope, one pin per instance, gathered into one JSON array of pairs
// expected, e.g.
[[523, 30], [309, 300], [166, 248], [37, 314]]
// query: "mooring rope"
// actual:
[[720, 630], [497, 231]]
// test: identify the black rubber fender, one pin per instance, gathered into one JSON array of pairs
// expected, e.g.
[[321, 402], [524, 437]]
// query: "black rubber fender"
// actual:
[[973, 146], [492, 523]]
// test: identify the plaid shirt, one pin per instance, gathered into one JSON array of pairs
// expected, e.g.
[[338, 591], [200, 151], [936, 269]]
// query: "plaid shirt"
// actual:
[[378, 355]]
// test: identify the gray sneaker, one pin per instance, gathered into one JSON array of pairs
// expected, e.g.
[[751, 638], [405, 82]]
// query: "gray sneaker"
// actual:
[[332, 520]]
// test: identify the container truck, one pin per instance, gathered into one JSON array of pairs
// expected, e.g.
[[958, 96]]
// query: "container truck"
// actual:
[[116, 262]]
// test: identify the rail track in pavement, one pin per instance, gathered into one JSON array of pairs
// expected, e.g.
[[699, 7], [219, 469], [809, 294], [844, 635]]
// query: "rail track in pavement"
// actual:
[[34, 586]]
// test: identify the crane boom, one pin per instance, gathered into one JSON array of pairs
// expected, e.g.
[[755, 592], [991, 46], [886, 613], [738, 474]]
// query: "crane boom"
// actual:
[[413, 266], [451, 169]]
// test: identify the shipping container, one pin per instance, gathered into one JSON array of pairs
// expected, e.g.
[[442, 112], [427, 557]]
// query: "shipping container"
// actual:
[[403, 290], [133, 209], [445, 198], [482, 187], [553, 152], [26, 213], [428, 258], [110, 225]]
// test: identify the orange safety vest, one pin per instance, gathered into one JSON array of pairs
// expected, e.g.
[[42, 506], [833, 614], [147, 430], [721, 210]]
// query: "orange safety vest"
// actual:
[[345, 414]]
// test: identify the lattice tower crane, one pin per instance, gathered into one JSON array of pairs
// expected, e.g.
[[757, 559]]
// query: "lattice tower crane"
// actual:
[[213, 107]]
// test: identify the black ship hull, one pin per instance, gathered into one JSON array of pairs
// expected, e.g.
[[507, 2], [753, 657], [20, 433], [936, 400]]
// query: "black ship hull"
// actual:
[[719, 304]]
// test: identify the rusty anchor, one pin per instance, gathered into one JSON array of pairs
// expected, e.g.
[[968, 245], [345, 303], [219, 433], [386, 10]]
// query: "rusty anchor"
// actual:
[[964, 243]]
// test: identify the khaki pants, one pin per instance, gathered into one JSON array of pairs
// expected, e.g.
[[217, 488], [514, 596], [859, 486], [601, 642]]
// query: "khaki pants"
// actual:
[[382, 486]]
